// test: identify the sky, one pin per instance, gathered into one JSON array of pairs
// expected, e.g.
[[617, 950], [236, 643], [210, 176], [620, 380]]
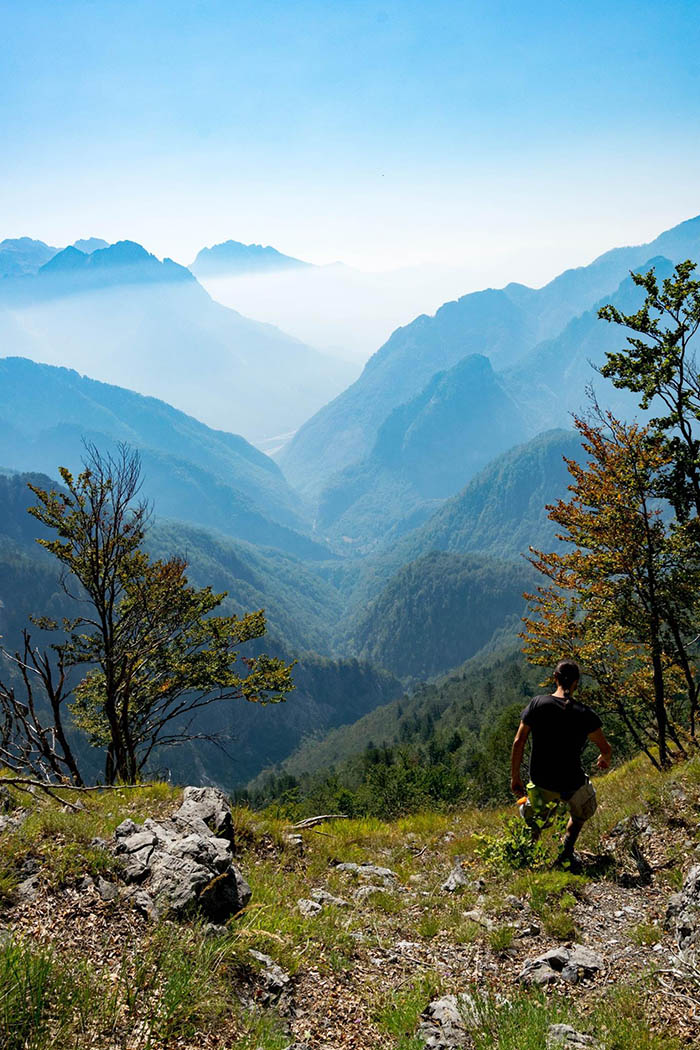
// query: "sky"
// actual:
[[511, 139]]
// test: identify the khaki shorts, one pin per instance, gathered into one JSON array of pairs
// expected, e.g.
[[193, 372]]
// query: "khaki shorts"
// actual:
[[542, 805]]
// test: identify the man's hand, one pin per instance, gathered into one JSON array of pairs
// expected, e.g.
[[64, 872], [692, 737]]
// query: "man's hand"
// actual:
[[605, 755], [516, 786], [603, 762]]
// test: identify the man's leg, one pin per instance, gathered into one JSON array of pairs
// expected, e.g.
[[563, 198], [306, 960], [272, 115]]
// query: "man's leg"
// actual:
[[582, 806]]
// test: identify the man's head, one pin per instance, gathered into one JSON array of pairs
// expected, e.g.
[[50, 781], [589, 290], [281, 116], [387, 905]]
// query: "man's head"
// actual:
[[566, 675]]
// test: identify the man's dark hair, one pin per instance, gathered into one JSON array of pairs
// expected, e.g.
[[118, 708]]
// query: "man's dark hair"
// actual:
[[566, 674]]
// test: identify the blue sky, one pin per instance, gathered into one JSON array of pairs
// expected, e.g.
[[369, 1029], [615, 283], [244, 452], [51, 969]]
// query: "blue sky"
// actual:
[[527, 135]]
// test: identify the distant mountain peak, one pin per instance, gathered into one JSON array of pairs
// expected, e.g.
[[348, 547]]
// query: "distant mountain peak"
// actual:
[[234, 257], [125, 262], [90, 244], [23, 255]]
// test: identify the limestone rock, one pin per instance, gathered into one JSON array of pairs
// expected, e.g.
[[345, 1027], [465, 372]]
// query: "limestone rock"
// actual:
[[568, 964], [145, 905], [446, 1022], [368, 871], [205, 806], [563, 1035], [309, 908], [277, 985], [183, 863], [324, 897], [457, 879], [683, 917]]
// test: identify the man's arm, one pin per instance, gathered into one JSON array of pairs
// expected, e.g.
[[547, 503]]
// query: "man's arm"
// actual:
[[598, 738], [516, 758]]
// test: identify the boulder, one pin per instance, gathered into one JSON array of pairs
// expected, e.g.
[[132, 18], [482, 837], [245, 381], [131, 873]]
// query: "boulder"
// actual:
[[563, 1035], [447, 1022], [562, 964], [683, 917], [205, 807], [184, 864]]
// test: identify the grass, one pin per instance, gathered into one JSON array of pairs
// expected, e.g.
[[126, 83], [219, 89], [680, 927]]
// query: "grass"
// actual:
[[398, 1013], [181, 983]]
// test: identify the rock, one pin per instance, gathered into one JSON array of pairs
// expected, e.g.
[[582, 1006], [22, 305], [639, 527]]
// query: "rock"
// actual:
[[683, 917], [7, 802], [28, 890], [308, 908], [564, 1035], [457, 879], [294, 842], [205, 806], [214, 929], [13, 820], [479, 917], [446, 1022], [98, 843], [86, 884], [324, 897], [568, 964], [298, 1046], [184, 869], [108, 891], [276, 982], [145, 905], [368, 871], [364, 892]]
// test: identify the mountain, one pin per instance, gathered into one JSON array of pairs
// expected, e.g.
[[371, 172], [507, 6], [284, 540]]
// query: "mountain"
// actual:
[[551, 379], [90, 244], [124, 317], [426, 450], [503, 325], [438, 611], [231, 258], [501, 513], [192, 473], [22, 255]]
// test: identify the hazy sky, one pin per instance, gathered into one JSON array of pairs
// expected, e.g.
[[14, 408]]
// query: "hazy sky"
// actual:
[[524, 135]]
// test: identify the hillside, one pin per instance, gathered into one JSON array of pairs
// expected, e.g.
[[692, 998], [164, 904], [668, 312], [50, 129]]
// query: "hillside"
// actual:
[[232, 257], [123, 317], [300, 611], [424, 933], [426, 450], [503, 325], [439, 610], [192, 472]]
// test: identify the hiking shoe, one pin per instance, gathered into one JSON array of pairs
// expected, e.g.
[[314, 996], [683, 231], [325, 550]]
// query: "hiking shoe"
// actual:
[[569, 862]]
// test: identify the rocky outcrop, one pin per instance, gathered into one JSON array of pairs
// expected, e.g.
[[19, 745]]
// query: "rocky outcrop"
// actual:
[[683, 917], [572, 965], [368, 871], [184, 864], [563, 1035], [626, 845], [447, 1022]]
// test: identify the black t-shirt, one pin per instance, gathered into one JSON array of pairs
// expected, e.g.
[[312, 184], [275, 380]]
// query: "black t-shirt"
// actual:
[[559, 732]]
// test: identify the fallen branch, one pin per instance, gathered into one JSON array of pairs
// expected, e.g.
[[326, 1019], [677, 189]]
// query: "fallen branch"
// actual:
[[311, 822]]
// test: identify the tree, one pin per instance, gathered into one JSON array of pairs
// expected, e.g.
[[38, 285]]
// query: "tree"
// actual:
[[624, 591], [659, 365], [152, 653]]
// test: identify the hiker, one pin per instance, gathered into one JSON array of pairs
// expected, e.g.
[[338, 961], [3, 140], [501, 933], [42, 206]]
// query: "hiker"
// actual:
[[560, 727]]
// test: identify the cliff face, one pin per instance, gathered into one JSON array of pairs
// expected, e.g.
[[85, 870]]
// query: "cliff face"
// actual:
[[440, 930]]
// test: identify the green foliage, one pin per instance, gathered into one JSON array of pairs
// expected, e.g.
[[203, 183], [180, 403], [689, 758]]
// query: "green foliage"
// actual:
[[501, 938], [154, 651], [514, 849]]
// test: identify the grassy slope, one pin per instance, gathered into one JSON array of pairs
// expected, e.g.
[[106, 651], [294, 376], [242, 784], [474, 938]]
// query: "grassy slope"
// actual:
[[81, 973]]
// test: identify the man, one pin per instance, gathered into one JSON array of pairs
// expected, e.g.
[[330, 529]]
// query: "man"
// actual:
[[560, 727]]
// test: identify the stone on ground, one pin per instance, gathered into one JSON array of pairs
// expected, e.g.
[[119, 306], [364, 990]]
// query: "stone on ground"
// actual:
[[562, 964]]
